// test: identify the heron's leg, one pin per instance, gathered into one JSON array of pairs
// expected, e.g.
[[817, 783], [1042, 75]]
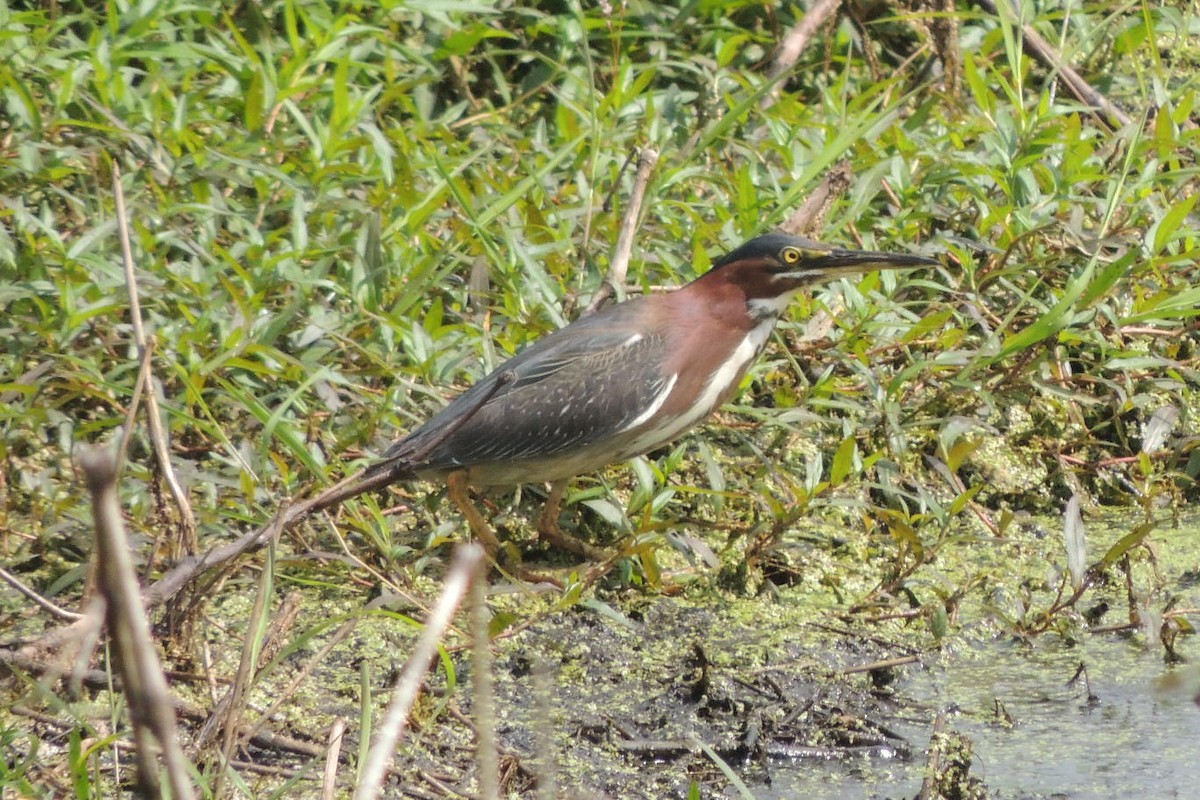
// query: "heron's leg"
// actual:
[[460, 495], [548, 530]]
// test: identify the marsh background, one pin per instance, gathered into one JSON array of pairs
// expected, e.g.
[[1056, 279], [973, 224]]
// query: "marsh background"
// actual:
[[342, 213]]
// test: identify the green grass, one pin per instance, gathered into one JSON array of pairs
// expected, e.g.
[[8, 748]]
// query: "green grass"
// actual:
[[311, 187]]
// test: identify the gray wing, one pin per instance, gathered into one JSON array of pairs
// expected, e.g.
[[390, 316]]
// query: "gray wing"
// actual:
[[556, 395]]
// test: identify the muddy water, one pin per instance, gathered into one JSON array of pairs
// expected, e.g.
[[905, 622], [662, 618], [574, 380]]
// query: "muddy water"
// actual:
[[1130, 730], [1125, 739], [1138, 736]]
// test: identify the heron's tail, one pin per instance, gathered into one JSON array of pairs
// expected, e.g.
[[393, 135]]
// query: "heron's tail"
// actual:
[[398, 463]]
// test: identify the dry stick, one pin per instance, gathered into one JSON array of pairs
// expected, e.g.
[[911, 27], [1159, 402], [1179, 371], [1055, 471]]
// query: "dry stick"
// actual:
[[545, 764], [144, 377], [154, 421], [886, 663], [487, 757], [282, 622], [67, 648], [263, 739], [135, 400], [647, 158], [331, 758], [956, 483], [607, 205], [808, 219], [57, 611], [98, 679], [933, 763], [393, 591], [464, 565], [190, 567], [273, 642], [1045, 55], [151, 710], [91, 678], [794, 43]]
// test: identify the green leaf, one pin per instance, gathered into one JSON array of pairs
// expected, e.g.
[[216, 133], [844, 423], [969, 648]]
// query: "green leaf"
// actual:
[[1107, 277], [978, 83], [502, 621], [1167, 305], [1049, 323], [927, 325], [843, 460], [608, 612], [1127, 543], [960, 451], [960, 502], [608, 511], [1164, 230], [742, 789], [939, 622]]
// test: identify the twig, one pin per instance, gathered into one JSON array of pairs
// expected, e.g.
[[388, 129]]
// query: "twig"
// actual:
[[158, 436], [545, 764], [99, 679], [647, 158], [933, 763], [49, 669], [130, 747], [1045, 55], [808, 219], [607, 205], [487, 757], [272, 643], [464, 566], [955, 483], [794, 43], [145, 687], [187, 569], [886, 663], [384, 580], [57, 611], [336, 733], [135, 400]]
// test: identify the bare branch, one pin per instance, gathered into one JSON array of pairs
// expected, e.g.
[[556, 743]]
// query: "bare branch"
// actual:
[[647, 158], [487, 752], [464, 566], [1045, 54], [151, 710], [336, 735], [57, 611], [158, 436], [794, 43], [810, 217]]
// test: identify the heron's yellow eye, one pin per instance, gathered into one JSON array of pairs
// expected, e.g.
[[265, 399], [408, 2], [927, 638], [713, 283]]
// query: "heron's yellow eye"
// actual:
[[791, 255]]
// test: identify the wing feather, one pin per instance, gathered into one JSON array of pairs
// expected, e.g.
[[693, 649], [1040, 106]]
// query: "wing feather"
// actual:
[[556, 395]]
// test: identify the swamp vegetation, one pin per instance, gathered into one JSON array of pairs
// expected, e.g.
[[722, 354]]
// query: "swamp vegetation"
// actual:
[[941, 544]]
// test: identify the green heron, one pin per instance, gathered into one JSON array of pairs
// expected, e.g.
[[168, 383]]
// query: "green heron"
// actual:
[[619, 383]]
